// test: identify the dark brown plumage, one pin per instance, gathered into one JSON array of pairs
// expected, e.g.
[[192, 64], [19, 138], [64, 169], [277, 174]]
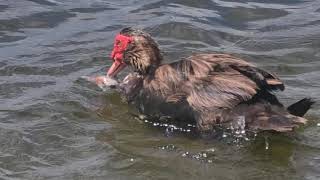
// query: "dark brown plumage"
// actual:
[[208, 89]]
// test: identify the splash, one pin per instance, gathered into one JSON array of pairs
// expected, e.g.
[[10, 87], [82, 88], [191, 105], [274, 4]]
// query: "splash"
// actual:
[[205, 156], [164, 122], [238, 126], [235, 134]]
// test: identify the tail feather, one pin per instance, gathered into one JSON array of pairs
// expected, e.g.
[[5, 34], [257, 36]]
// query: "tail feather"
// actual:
[[301, 107]]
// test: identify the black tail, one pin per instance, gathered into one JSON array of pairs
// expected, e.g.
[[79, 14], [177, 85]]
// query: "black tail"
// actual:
[[301, 107]]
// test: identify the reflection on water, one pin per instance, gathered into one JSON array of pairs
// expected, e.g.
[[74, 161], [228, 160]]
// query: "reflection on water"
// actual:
[[55, 126]]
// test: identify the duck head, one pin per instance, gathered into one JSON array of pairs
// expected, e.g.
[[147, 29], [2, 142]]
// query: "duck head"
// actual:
[[135, 48]]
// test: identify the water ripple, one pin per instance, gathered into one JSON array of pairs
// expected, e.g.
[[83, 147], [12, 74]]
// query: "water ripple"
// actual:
[[55, 126]]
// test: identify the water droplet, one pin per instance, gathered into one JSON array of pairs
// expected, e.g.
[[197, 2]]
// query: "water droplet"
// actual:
[[142, 107], [267, 143], [145, 121], [318, 124], [204, 155], [141, 116], [188, 130], [185, 154], [131, 159], [196, 156], [224, 135]]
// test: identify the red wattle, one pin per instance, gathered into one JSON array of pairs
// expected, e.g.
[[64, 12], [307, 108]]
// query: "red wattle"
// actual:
[[120, 45]]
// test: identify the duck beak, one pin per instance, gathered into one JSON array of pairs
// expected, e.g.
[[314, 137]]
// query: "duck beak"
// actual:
[[115, 68]]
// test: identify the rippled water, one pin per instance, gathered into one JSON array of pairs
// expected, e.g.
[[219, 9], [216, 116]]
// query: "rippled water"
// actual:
[[55, 126]]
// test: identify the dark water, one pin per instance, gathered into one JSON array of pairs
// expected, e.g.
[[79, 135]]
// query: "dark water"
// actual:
[[55, 126]]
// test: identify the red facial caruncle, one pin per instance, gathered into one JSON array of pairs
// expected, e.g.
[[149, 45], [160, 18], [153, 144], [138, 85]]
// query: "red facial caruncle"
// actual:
[[120, 45]]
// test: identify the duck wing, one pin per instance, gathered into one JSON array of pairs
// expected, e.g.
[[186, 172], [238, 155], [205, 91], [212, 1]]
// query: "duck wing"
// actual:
[[204, 65], [220, 80]]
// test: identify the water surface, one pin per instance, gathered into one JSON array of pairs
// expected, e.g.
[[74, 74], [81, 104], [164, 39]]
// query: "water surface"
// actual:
[[55, 126]]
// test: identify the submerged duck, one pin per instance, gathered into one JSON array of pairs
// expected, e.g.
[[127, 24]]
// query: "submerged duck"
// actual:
[[206, 89]]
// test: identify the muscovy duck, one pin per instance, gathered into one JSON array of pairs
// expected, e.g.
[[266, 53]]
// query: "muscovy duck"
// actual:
[[207, 89]]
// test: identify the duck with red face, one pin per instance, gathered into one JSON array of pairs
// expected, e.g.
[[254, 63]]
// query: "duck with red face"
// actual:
[[120, 45], [206, 89]]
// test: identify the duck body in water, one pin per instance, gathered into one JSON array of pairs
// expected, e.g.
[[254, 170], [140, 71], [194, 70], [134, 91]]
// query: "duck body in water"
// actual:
[[207, 89]]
